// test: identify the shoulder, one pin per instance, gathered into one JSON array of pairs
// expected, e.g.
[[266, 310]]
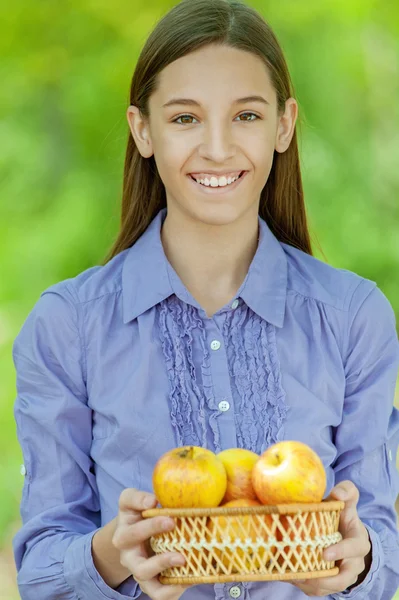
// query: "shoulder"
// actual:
[[312, 278], [356, 305], [92, 283], [58, 306]]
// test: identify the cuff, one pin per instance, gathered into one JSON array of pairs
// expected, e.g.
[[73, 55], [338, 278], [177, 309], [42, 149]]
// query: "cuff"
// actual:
[[82, 576], [362, 591]]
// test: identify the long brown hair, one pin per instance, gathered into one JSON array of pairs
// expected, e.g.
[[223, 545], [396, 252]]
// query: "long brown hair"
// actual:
[[188, 26]]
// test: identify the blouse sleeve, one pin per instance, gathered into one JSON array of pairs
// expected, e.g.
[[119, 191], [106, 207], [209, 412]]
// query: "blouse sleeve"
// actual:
[[368, 435], [60, 507]]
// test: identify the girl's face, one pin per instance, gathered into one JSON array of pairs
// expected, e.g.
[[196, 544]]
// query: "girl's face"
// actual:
[[213, 131]]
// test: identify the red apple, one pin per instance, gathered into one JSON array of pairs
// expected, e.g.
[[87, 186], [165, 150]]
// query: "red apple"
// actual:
[[289, 472]]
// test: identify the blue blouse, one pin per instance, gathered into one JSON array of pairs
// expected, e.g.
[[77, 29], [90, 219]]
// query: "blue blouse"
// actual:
[[120, 364]]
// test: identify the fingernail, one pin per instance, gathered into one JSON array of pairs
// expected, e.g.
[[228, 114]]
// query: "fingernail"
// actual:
[[177, 560], [329, 554], [149, 501], [340, 495], [168, 524]]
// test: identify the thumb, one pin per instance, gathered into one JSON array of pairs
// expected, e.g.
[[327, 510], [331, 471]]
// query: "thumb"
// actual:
[[347, 492]]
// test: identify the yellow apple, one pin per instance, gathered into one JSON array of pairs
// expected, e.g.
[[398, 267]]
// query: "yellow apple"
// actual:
[[189, 477], [238, 463], [289, 472]]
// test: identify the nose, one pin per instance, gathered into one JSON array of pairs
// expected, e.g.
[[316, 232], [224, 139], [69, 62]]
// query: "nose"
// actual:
[[218, 143]]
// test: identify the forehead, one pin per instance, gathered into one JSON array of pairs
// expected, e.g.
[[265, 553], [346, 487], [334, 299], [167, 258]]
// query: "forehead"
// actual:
[[212, 72]]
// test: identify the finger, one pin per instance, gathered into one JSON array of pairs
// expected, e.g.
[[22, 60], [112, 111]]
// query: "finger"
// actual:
[[164, 592], [152, 587], [131, 504], [155, 589], [349, 522], [350, 526], [174, 591], [349, 571], [307, 586], [145, 569], [354, 529], [347, 492], [348, 574], [312, 590], [351, 547], [133, 499], [141, 531]]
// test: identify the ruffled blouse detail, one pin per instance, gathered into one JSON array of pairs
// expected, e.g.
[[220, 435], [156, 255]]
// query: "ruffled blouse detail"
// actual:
[[255, 391]]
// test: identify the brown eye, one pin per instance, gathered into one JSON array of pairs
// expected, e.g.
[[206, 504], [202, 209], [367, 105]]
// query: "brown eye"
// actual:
[[183, 117], [191, 117], [249, 113]]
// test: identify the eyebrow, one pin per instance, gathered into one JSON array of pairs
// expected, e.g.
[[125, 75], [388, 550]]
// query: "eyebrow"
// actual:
[[189, 101]]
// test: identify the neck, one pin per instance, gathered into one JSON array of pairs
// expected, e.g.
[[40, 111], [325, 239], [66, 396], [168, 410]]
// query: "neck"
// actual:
[[211, 260]]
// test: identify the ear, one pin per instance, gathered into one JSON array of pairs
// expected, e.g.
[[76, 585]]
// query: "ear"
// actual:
[[140, 129], [286, 125]]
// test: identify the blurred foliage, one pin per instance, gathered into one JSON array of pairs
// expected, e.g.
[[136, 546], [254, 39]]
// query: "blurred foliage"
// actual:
[[66, 69]]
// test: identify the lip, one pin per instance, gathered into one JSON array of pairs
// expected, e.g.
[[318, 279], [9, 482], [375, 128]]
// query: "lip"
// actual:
[[216, 174], [218, 190]]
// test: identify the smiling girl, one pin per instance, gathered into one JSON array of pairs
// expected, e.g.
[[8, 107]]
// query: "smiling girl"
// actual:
[[209, 323]]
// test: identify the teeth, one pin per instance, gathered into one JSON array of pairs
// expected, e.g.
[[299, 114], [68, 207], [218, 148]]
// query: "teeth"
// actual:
[[215, 182]]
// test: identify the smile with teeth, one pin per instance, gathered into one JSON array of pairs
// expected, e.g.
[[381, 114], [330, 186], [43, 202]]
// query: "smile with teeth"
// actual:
[[215, 181]]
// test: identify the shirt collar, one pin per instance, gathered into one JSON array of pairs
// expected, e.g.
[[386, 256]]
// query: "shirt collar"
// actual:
[[148, 277]]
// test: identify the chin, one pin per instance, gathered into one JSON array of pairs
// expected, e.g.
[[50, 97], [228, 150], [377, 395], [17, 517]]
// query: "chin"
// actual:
[[217, 214]]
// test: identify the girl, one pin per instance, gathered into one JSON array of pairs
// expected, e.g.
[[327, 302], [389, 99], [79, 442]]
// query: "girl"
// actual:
[[210, 323]]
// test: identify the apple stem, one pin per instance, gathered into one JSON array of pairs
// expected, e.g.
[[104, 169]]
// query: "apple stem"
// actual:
[[187, 452]]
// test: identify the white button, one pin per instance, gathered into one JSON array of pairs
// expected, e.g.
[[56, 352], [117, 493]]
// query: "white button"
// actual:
[[215, 345], [23, 470], [235, 591], [235, 304], [224, 405], [390, 454]]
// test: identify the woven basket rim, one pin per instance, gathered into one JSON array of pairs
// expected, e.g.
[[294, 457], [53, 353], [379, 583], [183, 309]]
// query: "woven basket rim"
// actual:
[[282, 509]]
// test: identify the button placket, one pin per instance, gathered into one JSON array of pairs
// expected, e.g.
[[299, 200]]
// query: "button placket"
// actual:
[[221, 389]]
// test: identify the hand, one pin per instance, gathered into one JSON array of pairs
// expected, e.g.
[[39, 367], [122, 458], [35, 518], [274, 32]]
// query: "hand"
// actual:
[[132, 538], [353, 552]]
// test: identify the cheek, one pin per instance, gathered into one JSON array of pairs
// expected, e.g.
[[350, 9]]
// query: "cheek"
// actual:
[[263, 167], [173, 155], [259, 149], [167, 164]]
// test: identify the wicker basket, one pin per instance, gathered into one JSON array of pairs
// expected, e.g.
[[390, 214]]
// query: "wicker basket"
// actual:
[[257, 543]]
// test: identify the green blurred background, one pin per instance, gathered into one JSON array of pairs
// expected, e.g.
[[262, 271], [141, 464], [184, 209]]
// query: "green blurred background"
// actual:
[[66, 69]]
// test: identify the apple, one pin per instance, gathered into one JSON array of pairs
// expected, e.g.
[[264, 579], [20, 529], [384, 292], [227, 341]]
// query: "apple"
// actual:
[[238, 463], [222, 527], [289, 472], [189, 477]]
